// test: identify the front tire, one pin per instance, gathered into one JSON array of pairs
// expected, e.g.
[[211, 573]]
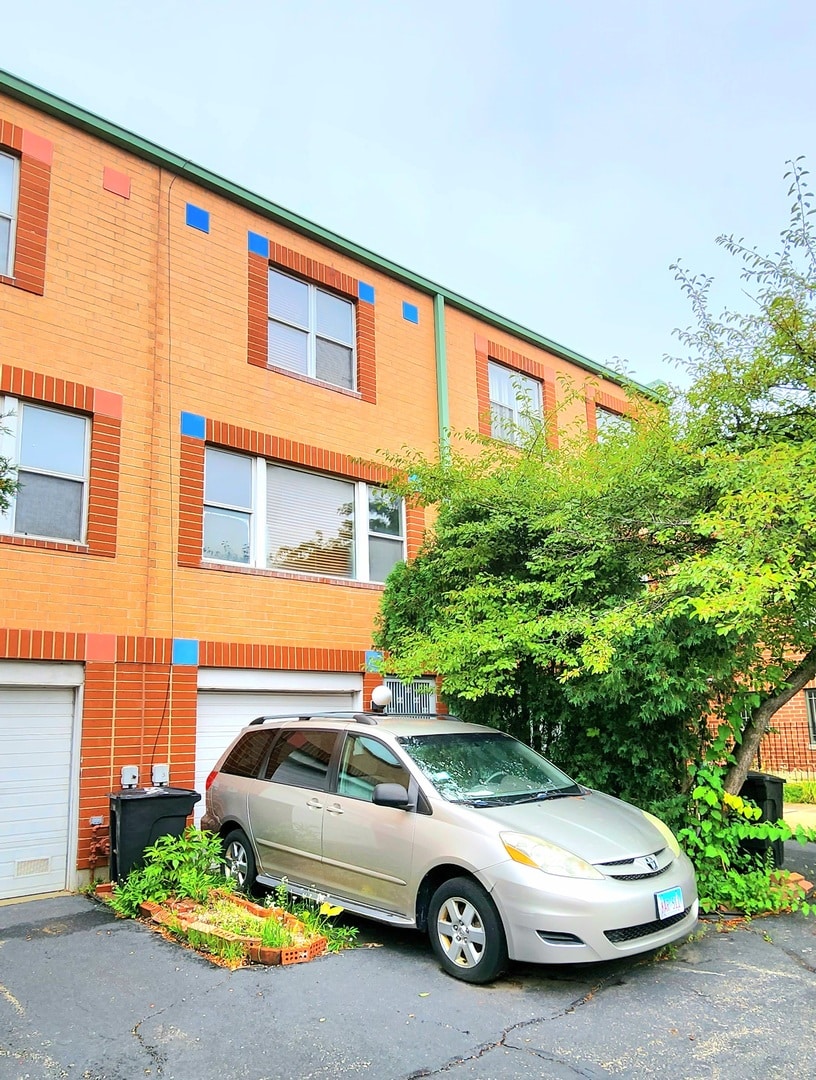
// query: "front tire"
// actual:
[[466, 931], [239, 860]]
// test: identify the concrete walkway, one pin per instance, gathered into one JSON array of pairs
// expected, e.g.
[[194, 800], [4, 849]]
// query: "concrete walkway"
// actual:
[[84, 995], [800, 814]]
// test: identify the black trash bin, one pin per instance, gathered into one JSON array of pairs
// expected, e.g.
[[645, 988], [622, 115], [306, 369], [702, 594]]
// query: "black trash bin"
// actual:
[[768, 793], [139, 816]]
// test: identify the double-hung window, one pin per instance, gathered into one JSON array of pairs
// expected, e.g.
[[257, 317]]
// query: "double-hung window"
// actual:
[[810, 698], [515, 403], [50, 448], [276, 517], [609, 423], [9, 172], [228, 497], [311, 331]]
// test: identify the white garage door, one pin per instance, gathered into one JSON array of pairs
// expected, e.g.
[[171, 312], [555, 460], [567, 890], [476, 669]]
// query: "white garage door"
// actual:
[[36, 735], [222, 714]]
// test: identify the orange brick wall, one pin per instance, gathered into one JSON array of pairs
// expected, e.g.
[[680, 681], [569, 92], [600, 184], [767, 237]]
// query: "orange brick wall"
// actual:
[[125, 312]]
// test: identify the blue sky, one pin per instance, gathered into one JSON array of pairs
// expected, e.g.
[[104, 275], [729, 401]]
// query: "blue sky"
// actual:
[[548, 160]]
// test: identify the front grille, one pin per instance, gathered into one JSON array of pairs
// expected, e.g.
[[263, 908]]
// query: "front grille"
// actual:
[[632, 933], [639, 877]]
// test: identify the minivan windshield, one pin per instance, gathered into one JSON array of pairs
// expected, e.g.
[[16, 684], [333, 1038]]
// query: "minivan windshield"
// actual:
[[486, 768]]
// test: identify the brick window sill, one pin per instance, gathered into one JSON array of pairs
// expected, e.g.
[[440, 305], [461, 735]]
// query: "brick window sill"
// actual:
[[52, 545], [315, 382]]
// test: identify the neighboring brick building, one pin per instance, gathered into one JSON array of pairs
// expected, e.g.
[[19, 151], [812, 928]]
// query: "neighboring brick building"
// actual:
[[197, 385]]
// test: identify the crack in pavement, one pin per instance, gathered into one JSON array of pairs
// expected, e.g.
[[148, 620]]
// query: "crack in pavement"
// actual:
[[791, 953], [160, 1060], [422, 1074]]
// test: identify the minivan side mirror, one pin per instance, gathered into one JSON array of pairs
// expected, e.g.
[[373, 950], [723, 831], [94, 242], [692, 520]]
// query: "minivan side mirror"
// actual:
[[392, 795]]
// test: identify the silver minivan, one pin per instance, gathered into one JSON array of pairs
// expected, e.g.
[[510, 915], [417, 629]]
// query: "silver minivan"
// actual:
[[453, 828]]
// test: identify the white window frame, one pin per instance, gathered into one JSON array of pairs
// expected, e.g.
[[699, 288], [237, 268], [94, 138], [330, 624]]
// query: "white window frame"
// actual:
[[523, 407], [257, 514], [8, 269], [311, 331], [810, 702], [11, 410], [614, 421]]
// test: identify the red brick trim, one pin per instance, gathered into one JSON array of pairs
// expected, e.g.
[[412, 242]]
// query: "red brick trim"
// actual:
[[491, 350], [594, 396], [315, 273], [34, 153], [233, 654], [286, 451], [106, 433], [18, 644]]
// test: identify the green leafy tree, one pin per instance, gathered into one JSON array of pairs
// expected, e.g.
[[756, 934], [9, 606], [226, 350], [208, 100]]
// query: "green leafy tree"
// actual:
[[606, 600], [8, 478]]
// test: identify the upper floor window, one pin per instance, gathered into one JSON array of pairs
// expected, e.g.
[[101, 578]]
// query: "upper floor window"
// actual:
[[609, 423], [50, 448], [8, 210], [810, 698], [275, 517], [515, 403], [311, 331]]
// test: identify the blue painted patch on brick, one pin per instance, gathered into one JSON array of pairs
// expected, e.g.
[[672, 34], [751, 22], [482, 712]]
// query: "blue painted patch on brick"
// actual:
[[197, 218], [257, 244], [373, 660], [193, 425], [185, 652], [365, 292], [410, 312]]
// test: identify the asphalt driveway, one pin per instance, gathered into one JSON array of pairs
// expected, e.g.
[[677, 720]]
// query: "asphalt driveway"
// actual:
[[85, 995]]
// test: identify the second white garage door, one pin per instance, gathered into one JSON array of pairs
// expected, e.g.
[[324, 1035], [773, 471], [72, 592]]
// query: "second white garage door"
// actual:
[[222, 714]]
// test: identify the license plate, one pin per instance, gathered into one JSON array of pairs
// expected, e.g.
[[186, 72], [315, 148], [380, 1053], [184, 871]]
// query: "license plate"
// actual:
[[669, 902]]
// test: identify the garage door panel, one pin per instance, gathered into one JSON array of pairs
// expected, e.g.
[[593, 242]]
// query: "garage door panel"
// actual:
[[36, 734]]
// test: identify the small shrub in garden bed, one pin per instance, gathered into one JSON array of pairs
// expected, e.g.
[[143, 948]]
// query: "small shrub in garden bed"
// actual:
[[182, 888]]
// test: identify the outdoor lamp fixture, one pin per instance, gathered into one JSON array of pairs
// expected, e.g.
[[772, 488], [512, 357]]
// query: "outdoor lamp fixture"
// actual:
[[381, 698]]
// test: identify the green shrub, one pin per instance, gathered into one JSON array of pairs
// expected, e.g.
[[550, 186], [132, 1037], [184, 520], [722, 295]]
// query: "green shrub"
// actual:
[[185, 866], [800, 791], [730, 879]]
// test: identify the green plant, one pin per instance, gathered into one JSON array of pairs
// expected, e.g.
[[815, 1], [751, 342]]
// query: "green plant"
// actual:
[[800, 791], [183, 866], [317, 915], [729, 878]]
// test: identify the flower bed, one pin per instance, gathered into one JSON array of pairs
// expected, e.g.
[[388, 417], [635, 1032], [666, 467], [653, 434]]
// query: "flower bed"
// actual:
[[206, 926]]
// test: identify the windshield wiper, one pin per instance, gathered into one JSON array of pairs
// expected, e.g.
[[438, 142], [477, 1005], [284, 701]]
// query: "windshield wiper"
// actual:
[[554, 793]]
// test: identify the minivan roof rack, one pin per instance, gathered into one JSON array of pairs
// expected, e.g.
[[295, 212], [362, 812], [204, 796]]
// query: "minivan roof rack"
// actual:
[[340, 714]]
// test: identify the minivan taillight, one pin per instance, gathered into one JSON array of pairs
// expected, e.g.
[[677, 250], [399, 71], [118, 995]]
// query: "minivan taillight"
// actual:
[[210, 779]]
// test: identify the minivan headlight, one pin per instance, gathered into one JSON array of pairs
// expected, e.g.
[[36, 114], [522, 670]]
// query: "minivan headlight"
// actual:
[[664, 831], [532, 851]]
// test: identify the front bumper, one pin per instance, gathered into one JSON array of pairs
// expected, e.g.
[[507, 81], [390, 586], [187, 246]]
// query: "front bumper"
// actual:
[[559, 920]]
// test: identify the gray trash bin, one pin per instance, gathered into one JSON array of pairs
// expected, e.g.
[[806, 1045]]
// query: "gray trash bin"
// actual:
[[139, 816]]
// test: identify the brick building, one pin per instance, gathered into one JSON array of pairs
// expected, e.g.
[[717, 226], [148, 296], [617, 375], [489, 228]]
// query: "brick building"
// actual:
[[197, 386]]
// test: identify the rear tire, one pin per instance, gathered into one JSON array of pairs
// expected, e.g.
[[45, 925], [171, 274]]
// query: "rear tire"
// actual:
[[239, 860], [466, 931]]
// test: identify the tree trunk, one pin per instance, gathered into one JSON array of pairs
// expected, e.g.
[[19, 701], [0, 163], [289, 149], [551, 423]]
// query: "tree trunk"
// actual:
[[760, 720]]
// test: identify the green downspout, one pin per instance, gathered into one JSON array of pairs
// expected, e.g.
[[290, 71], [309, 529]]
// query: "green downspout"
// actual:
[[441, 349]]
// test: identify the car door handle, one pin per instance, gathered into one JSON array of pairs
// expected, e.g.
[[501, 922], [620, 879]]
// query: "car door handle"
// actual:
[[336, 809], [315, 804]]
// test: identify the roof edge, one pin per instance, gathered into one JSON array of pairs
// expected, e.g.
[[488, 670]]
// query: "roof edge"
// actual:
[[82, 118]]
